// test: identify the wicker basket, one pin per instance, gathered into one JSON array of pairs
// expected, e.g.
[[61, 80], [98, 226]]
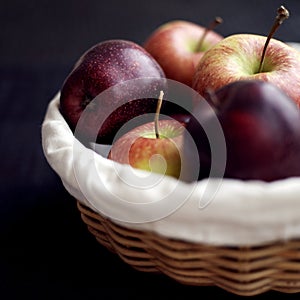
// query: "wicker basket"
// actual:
[[243, 271]]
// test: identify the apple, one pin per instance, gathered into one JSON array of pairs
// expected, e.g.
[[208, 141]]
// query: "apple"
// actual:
[[179, 45], [154, 146], [251, 56], [102, 66], [142, 149], [261, 126], [237, 57]]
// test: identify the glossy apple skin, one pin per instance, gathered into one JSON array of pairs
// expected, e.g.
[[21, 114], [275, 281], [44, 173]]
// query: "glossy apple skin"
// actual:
[[237, 57], [101, 67], [136, 147], [173, 46], [261, 126]]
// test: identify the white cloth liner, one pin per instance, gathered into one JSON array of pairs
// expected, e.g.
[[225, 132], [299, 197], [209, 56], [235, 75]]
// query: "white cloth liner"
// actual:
[[241, 213]]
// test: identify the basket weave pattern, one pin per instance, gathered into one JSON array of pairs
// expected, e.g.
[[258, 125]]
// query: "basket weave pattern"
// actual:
[[239, 270]]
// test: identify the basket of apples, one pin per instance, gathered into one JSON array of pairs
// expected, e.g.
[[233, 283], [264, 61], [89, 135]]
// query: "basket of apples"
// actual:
[[187, 161]]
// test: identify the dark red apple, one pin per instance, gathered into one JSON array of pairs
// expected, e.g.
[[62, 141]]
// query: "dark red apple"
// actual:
[[105, 65], [261, 126]]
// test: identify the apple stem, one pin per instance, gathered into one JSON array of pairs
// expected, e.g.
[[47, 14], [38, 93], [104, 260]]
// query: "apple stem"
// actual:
[[158, 107], [211, 26], [282, 14]]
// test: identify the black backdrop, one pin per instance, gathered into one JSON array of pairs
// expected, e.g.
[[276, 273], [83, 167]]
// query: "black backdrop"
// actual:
[[45, 250]]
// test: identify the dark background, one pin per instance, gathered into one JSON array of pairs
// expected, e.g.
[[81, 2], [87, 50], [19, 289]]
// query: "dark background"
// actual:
[[45, 250]]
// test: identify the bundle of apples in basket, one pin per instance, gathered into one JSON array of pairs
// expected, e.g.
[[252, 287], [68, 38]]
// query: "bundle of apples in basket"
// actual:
[[184, 154]]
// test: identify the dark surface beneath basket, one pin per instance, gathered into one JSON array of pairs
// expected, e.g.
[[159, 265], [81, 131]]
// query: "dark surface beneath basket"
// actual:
[[46, 252]]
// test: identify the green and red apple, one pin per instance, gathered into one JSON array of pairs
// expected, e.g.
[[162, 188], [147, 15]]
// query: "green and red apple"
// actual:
[[238, 57], [142, 149]]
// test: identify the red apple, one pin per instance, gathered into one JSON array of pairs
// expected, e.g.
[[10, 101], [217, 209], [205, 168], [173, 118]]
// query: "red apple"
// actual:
[[105, 65], [141, 148], [175, 46]]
